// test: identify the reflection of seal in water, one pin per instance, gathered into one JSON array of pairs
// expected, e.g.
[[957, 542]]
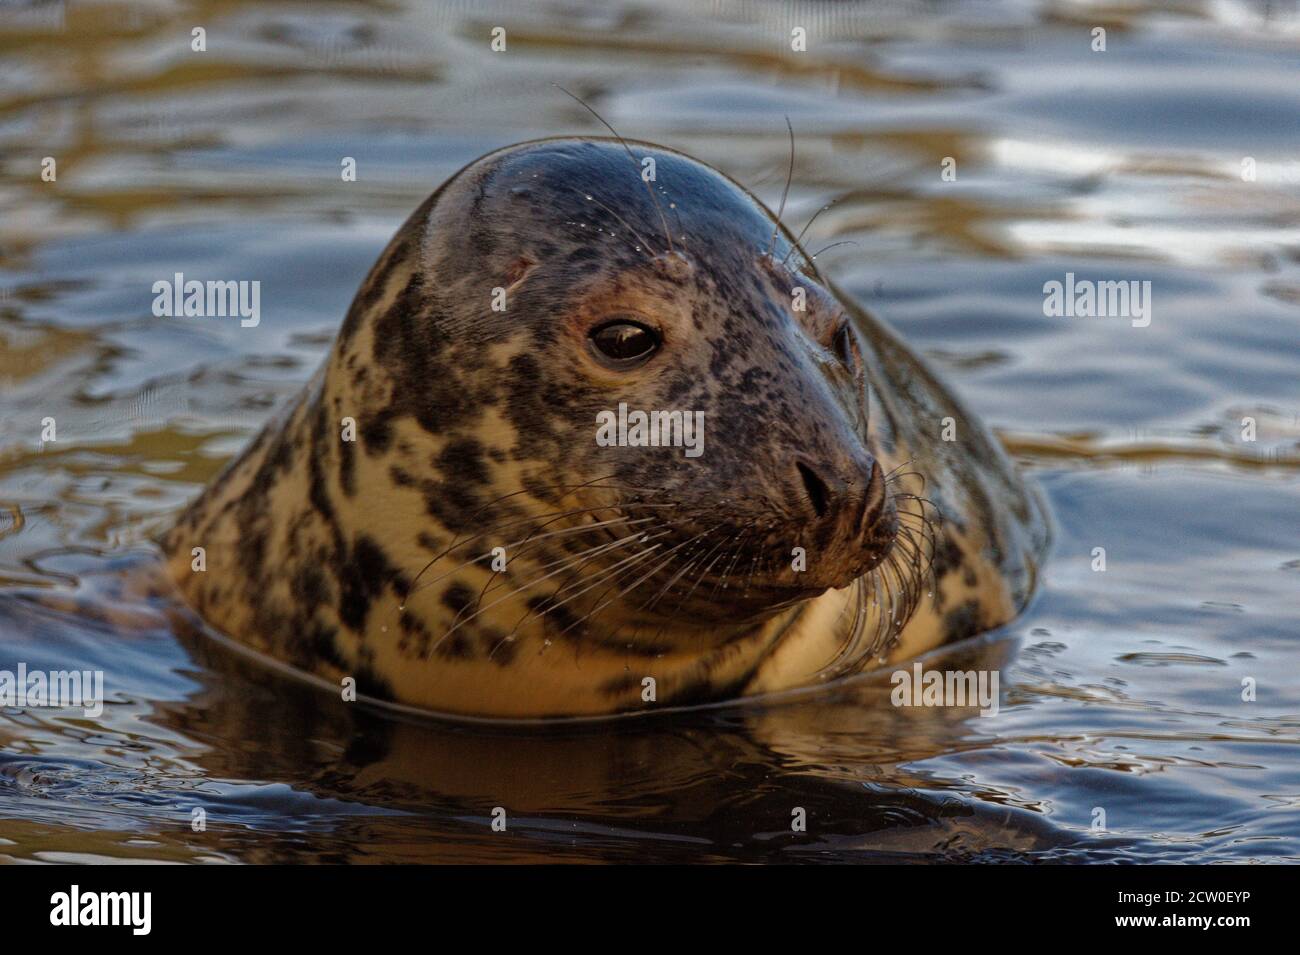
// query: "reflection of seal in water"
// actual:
[[476, 550]]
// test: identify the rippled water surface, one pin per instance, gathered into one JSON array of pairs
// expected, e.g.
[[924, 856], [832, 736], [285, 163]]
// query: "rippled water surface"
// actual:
[[1122, 690]]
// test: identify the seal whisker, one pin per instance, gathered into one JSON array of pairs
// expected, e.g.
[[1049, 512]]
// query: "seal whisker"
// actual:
[[654, 570], [853, 601], [534, 538], [928, 569], [919, 498], [852, 634], [922, 541], [613, 581], [613, 575], [895, 477], [908, 535], [650, 249], [504, 497], [574, 562], [920, 561], [524, 520], [658, 531], [833, 245], [494, 582], [652, 534], [921, 502], [677, 214], [565, 564], [771, 246], [892, 471], [799, 239], [703, 572], [895, 585], [749, 581], [457, 624], [932, 525], [680, 573], [532, 489], [884, 594], [550, 604], [631, 157], [744, 535], [556, 515], [861, 608]]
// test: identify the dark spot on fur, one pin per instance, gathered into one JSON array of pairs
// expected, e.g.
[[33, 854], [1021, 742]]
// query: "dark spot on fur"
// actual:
[[252, 549], [620, 685], [347, 468], [455, 646], [462, 461], [377, 431], [372, 289], [947, 556], [962, 622], [458, 597], [320, 640], [372, 684], [498, 647], [309, 586], [556, 617], [413, 629], [364, 576]]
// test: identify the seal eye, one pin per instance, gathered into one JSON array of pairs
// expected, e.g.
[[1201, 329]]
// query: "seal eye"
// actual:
[[622, 343]]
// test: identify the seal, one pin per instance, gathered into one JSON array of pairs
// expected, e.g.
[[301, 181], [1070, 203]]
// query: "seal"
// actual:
[[596, 436]]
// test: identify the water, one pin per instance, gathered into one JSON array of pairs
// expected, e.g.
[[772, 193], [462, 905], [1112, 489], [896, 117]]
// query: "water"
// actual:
[[1121, 690]]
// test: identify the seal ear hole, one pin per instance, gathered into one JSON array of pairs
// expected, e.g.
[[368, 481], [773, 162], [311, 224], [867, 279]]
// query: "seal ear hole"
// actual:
[[623, 343], [844, 343]]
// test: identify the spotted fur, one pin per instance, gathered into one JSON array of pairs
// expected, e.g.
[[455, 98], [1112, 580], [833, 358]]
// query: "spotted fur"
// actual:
[[475, 429]]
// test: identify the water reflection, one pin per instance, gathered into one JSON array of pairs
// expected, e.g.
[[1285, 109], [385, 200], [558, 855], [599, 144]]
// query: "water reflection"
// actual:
[[1122, 690]]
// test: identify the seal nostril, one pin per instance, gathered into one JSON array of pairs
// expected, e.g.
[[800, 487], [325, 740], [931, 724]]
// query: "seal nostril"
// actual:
[[818, 493], [842, 345], [875, 500]]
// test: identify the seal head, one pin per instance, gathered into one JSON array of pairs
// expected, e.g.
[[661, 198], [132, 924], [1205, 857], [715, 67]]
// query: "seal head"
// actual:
[[608, 299]]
